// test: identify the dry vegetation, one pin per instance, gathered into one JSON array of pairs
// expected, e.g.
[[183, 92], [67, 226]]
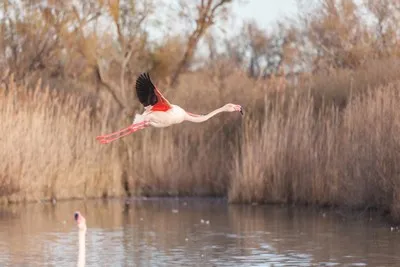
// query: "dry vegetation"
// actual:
[[325, 136], [48, 149], [335, 157]]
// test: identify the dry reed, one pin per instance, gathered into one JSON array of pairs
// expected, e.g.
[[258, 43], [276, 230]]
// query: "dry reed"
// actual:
[[339, 159], [290, 148], [48, 150]]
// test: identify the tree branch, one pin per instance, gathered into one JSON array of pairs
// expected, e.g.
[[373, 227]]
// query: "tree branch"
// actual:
[[204, 20], [109, 85]]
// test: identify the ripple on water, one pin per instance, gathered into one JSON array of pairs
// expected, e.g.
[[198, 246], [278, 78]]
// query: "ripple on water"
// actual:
[[147, 233]]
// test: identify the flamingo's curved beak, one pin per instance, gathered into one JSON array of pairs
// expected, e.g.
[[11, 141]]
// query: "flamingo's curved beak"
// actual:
[[241, 110]]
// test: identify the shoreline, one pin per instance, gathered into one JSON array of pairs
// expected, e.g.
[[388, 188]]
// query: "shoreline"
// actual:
[[347, 213]]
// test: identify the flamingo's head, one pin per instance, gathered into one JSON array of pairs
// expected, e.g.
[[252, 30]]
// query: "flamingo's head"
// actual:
[[80, 220], [233, 107]]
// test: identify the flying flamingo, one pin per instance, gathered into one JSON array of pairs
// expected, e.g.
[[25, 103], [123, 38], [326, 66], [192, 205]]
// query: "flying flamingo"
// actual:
[[159, 112], [81, 222]]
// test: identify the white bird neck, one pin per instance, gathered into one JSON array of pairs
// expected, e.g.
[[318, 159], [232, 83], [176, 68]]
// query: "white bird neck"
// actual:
[[82, 247], [191, 118]]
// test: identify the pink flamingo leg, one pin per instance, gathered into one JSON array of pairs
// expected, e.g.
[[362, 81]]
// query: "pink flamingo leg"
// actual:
[[115, 133], [109, 140], [105, 139], [131, 130]]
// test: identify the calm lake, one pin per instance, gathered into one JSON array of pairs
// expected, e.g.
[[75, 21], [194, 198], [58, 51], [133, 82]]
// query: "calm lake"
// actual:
[[192, 232]]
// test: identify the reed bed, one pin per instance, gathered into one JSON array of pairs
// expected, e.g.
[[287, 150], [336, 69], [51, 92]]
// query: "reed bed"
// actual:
[[48, 149], [297, 145], [333, 158]]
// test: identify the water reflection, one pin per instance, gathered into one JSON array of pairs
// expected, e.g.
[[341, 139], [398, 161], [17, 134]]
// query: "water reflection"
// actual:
[[169, 232]]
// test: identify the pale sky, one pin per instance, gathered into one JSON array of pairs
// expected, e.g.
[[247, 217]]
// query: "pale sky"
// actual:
[[265, 12]]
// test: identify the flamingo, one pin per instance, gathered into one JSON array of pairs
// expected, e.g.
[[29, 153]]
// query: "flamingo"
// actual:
[[81, 222], [159, 112]]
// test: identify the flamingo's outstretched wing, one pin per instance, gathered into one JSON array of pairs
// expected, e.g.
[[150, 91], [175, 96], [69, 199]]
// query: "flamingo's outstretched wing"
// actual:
[[149, 95]]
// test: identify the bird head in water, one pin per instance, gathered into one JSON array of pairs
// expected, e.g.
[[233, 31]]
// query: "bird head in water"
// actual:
[[80, 220]]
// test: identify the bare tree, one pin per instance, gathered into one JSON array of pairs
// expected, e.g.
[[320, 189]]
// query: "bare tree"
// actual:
[[387, 23], [264, 53], [335, 35], [37, 35], [206, 13], [128, 20]]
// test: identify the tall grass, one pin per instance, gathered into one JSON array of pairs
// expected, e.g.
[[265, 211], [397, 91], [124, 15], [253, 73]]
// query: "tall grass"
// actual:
[[332, 158], [302, 145], [48, 150]]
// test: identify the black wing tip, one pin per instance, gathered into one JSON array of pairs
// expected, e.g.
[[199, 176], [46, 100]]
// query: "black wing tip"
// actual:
[[144, 75], [145, 89], [144, 78]]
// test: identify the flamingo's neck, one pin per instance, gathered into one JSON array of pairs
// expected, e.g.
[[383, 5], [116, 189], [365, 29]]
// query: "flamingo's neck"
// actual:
[[203, 118], [82, 247]]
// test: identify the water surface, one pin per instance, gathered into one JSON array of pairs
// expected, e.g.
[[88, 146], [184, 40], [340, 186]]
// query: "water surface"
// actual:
[[192, 232]]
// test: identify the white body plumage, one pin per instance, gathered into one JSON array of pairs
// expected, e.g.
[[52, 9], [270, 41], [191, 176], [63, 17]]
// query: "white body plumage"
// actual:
[[160, 119]]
